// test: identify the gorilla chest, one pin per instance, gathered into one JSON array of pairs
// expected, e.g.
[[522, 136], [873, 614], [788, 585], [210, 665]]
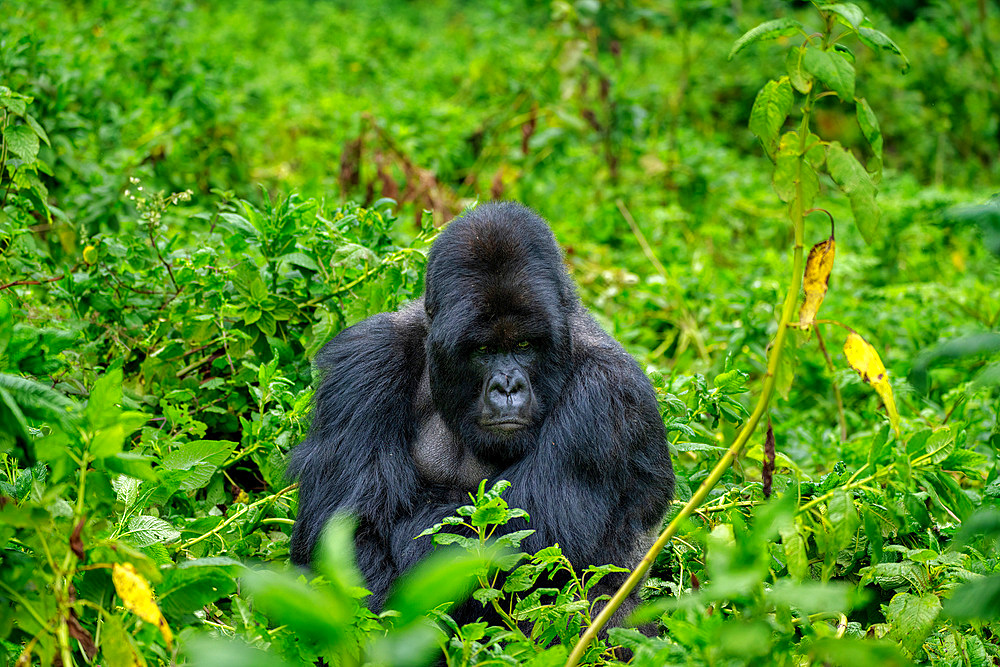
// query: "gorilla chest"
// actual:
[[442, 460]]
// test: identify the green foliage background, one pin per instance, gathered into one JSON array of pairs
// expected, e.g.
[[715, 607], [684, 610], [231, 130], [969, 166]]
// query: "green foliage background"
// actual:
[[177, 240]]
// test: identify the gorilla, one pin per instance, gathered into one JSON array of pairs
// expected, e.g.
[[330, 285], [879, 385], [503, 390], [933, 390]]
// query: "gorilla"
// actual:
[[498, 372]]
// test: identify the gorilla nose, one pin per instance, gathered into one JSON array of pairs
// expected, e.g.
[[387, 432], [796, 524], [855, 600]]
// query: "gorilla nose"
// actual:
[[507, 395]]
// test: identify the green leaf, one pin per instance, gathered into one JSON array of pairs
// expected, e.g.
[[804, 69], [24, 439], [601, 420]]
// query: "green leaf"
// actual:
[[857, 184], [201, 458], [109, 440], [868, 123], [847, 12], [102, 404], [977, 600], [444, 577], [797, 75], [793, 175], [768, 30], [16, 103], [770, 109], [187, 590], [22, 141], [37, 128], [911, 618], [879, 40], [857, 653], [145, 530], [833, 70]]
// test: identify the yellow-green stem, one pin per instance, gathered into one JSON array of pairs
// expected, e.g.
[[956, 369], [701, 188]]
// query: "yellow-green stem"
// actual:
[[787, 312]]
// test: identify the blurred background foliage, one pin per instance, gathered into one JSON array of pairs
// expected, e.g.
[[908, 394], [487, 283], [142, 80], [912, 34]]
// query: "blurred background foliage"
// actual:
[[174, 217]]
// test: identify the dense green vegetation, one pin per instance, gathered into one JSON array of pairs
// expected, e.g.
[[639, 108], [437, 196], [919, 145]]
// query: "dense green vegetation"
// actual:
[[194, 197]]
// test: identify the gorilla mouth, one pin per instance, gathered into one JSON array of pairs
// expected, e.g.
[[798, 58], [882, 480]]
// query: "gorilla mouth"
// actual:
[[504, 425]]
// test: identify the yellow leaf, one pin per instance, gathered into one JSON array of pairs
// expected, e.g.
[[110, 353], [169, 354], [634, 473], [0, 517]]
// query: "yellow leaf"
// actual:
[[137, 596], [817, 278], [865, 360]]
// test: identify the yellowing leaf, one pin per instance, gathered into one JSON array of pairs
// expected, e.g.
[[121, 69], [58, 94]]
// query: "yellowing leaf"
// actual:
[[137, 596], [865, 360], [817, 278]]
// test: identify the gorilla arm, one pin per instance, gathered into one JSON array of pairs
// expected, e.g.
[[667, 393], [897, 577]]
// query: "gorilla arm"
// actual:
[[356, 457], [600, 478]]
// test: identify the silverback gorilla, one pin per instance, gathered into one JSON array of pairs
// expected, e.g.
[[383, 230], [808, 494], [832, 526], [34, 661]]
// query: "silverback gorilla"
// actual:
[[498, 372]]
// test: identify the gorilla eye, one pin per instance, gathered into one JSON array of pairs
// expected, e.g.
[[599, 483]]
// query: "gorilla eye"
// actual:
[[523, 345], [481, 349]]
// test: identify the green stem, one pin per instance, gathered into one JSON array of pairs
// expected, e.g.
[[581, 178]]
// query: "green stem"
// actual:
[[770, 379]]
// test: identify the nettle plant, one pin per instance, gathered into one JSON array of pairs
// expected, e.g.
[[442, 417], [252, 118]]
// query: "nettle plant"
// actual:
[[904, 474]]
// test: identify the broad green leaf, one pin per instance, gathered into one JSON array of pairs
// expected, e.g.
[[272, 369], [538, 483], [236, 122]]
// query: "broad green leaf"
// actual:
[[911, 618], [188, 589], [144, 530], [444, 577], [315, 616], [812, 597], [857, 653], [857, 184], [770, 109], [768, 30], [833, 70], [16, 103], [879, 40], [109, 440], [103, 403], [200, 458], [847, 12], [22, 141]]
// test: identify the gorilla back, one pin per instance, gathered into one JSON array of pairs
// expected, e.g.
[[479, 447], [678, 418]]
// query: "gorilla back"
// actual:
[[497, 373]]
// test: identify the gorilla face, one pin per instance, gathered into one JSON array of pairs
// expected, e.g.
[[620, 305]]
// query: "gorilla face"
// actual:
[[499, 341]]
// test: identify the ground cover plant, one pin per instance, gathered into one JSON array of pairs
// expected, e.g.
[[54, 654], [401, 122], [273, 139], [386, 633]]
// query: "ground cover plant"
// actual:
[[786, 212]]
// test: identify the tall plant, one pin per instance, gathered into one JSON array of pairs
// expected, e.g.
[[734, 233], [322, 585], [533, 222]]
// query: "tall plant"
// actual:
[[818, 65]]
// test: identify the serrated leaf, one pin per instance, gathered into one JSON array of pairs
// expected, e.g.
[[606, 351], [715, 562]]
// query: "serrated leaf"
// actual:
[[865, 360], [833, 70], [850, 13], [22, 141], [879, 40], [137, 597], [201, 458], [144, 530], [857, 184], [911, 618], [770, 109], [816, 280], [768, 30]]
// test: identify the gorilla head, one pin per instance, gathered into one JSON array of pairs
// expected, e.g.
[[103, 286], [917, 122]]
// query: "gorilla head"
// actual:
[[499, 303]]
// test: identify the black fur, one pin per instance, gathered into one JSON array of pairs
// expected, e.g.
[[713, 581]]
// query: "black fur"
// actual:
[[402, 425]]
